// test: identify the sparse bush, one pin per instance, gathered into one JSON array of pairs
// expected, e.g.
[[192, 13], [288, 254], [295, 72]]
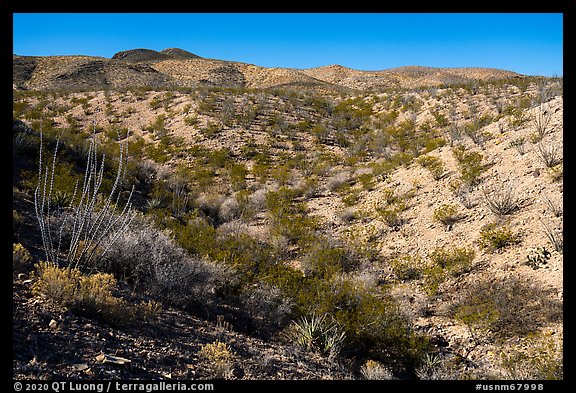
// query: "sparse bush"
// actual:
[[191, 120], [556, 209], [435, 367], [455, 260], [519, 144], [446, 214], [556, 173], [238, 173], [434, 276], [220, 359], [394, 204], [556, 237], [88, 295], [268, 308], [494, 237], [229, 209], [541, 120], [434, 166], [20, 256], [373, 370], [506, 306], [151, 261], [338, 181], [347, 215], [463, 191], [518, 117], [538, 357], [502, 199], [17, 221], [550, 153], [325, 260], [257, 199], [470, 164], [407, 267], [392, 215], [158, 126]]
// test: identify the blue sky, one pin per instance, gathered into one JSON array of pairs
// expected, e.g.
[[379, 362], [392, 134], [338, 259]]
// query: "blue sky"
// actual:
[[527, 43]]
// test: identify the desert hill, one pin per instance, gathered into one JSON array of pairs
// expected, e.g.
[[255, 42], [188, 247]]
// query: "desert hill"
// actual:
[[174, 67]]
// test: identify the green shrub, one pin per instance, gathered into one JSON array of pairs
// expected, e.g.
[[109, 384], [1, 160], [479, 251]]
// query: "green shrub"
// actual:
[[158, 126], [446, 214], [440, 118], [191, 120], [324, 260], [434, 166], [506, 306], [538, 357], [470, 164], [391, 215], [407, 267], [238, 173], [367, 181], [519, 144], [455, 260], [211, 130], [494, 236], [434, 276]]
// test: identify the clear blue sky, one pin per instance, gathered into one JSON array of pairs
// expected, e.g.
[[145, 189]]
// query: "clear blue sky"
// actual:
[[527, 43]]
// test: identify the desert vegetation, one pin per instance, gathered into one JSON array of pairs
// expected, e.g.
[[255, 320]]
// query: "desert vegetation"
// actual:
[[357, 228]]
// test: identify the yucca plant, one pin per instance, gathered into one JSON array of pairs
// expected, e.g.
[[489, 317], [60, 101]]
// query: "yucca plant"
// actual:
[[317, 333]]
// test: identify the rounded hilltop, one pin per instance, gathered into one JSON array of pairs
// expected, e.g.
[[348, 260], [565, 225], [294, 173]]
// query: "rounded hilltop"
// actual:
[[142, 54]]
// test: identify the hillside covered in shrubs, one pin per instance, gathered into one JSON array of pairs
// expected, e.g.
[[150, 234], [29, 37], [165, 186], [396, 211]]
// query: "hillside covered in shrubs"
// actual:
[[276, 233]]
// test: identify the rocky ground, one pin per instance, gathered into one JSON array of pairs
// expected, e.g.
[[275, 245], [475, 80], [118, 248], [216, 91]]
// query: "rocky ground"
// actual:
[[50, 342]]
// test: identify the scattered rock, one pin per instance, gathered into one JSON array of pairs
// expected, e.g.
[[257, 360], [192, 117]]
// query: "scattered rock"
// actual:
[[104, 358], [53, 324]]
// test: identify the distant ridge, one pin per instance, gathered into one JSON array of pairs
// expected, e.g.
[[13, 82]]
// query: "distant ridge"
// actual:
[[178, 53], [175, 67]]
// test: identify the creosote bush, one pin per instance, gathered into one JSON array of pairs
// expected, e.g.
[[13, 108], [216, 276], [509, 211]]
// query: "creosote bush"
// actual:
[[507, 306], [539, 357], [455, 260], [434, 165], [446, 214], [407, 267], [495, 236], [470, 164]]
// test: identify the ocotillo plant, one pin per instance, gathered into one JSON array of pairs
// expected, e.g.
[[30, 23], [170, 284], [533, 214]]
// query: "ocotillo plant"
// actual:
[[91, 219]]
